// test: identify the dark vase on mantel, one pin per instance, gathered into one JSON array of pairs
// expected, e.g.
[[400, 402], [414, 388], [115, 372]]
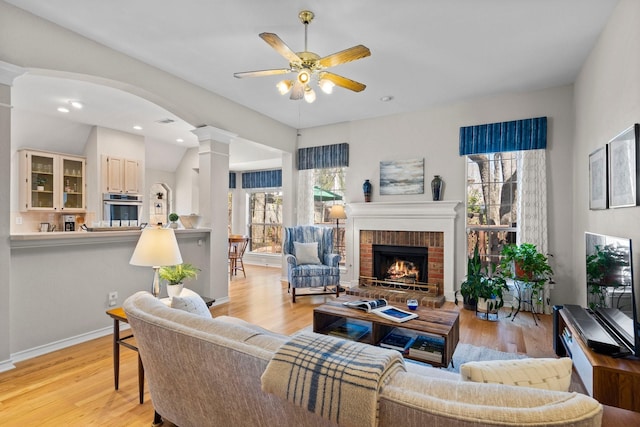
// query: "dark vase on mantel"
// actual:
[[366, 189], [436, 187]]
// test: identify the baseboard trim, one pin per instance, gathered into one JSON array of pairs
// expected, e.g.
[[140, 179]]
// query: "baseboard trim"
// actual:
[[221, 301], [64, 343], [6, 365]]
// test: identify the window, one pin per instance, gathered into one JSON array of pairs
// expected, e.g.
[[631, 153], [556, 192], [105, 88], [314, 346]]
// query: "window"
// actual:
[[328, 190], [492, 203], [265, 228]]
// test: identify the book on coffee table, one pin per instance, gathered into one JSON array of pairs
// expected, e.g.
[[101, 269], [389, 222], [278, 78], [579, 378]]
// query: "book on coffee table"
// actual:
[[349, 329], [367, 305], [397, 341], [427, 348]]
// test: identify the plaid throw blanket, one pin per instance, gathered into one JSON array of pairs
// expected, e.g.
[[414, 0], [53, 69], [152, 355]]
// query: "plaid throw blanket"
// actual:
[[334, 378]]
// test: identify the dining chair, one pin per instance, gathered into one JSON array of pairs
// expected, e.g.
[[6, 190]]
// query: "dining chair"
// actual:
[[237, 246]]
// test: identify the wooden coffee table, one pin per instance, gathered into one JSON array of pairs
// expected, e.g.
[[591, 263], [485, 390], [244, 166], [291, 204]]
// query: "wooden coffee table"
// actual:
[[430, 321]]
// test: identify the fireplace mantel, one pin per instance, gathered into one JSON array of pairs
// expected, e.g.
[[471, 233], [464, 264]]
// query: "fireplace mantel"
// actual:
[[404, 216]]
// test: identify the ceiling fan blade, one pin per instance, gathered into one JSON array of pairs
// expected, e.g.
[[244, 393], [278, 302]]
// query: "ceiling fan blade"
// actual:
[[297, 92], [343, 81], [261, 73], [347, 55], [276, 42]]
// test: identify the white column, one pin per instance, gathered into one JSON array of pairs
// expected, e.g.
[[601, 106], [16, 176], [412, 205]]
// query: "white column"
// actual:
[[213, 183], [8, 73]]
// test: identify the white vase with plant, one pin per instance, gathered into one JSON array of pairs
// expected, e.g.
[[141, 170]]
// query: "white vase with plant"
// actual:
[[175, 275]]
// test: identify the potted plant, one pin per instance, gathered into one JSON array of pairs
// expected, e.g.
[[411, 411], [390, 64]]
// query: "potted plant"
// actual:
[[524, 263], [491, 292], [173, 217], [469, 288], [482, 287], [175, 275], [40, 182]]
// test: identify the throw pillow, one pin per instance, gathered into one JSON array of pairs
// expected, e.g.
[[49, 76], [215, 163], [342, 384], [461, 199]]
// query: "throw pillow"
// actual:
[[191, 302], [306, 253], [545, 373]]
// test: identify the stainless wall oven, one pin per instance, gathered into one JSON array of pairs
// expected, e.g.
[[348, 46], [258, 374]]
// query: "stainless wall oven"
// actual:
[[122, 209]]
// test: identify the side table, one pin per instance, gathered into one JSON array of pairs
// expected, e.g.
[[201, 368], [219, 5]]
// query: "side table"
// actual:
[[118, 315]]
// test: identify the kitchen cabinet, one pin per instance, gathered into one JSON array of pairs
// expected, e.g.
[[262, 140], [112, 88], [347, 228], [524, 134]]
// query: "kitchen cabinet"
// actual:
[[120, 175], [52, 182]]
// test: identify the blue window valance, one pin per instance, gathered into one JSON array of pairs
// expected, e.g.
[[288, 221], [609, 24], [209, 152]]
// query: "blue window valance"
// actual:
[[324, 156], [232, 180], [528, 134], [262, 179]]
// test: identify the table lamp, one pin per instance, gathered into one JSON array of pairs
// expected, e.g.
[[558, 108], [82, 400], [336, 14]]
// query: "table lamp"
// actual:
[[337, 212], [156, 248]]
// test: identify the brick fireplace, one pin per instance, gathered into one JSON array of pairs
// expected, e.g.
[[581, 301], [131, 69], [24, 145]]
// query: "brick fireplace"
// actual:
[[432, 241], [424, 224]]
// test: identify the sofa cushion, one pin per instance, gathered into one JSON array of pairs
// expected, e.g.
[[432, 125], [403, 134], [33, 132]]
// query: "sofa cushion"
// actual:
[[191, 302], [549, 374], [306, 253]]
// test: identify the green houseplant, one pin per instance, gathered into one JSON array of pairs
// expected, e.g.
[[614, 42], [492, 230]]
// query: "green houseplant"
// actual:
[[173, 217], [175, 275], [482, 286], [525, 264]]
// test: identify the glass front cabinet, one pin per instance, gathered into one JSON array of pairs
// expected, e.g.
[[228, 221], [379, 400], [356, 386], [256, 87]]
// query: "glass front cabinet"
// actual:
[[52, 182]]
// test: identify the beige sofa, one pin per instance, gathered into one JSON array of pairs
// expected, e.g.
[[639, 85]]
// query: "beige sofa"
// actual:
[[207, 372]]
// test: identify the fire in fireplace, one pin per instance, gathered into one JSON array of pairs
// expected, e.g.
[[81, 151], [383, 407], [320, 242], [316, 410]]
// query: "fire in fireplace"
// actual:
[[404, 264]]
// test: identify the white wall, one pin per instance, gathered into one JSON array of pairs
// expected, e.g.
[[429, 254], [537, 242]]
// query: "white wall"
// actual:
[[434, 135], [186, 196], [607, 101]]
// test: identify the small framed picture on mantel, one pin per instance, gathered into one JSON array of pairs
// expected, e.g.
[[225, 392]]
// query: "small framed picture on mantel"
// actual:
[[624, 168], [598, 179]]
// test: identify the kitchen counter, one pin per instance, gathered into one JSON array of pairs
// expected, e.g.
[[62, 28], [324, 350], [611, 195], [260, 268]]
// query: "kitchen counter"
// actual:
[[81, 237]]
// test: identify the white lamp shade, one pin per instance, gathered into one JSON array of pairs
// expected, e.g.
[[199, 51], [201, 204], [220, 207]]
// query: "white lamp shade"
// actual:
[[156, 247], [337, 212]]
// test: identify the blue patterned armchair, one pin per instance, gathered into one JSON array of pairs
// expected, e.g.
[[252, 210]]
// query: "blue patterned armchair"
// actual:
[[310, 261]]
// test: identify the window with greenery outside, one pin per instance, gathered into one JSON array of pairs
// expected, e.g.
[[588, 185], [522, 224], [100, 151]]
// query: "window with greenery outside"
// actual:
[[328, 190], [492, 204], [265, 228]]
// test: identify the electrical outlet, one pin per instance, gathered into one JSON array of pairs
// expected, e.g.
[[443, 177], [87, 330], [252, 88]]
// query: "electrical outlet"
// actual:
[[113, 298], [18, 220]]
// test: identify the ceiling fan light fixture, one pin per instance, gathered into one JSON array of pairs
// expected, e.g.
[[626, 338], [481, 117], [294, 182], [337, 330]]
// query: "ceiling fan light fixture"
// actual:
[[304, 76], [309, 95], [326, 86], [284, 86]]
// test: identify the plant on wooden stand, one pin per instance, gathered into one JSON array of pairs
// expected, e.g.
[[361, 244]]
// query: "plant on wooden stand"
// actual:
[[175, 275]]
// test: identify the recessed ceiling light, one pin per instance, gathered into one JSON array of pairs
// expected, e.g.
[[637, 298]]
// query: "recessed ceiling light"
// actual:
[[137, 127], [386, 98], [76, 104], [63, 109], [179, 140]]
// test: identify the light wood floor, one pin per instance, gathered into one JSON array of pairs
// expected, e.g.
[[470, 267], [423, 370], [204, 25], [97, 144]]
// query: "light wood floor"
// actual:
[[74, 386]]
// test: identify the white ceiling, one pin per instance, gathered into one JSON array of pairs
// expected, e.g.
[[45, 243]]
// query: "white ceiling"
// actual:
[[424, 53]]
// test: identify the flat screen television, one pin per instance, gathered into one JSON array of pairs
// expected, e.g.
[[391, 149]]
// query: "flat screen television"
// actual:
[[612, 295]]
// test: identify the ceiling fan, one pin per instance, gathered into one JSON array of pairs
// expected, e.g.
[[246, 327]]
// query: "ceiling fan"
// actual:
[[309, 66]]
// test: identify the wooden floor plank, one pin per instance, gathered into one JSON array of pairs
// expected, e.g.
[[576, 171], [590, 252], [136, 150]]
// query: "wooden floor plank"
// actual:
[[74, 386]]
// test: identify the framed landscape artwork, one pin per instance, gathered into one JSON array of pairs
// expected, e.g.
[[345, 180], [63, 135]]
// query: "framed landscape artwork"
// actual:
[[623, 168], [598, 179], [402, 177]]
